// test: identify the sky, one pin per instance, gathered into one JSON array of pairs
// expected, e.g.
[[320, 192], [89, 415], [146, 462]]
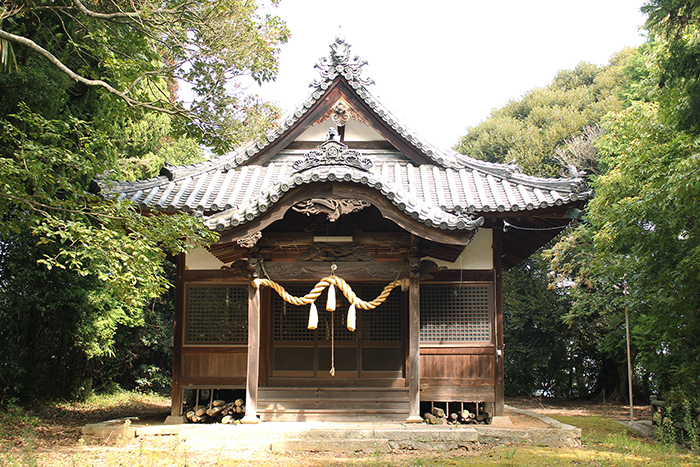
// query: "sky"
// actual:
[[442, 66]]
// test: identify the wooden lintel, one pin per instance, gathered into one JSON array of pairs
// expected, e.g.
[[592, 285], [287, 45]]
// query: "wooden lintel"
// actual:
[[290, 271], [397, 240], [214, 349], [209, 275], [483, 350], [311, 145], [465, 275]]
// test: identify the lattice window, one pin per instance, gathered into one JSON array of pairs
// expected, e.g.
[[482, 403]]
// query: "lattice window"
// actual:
[[453, 313], [290, 321], [384, 323], [339, 317], [216, 314]]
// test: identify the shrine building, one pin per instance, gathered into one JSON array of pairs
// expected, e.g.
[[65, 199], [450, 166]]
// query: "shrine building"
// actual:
[[341, 199]]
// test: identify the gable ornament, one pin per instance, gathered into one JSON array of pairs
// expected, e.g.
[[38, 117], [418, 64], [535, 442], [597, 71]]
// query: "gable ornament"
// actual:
[[332, 152], [340, 62]]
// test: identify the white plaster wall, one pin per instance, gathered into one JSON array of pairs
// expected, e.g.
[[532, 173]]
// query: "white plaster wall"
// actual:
[[477, 255], [200, 258], [354, 131]]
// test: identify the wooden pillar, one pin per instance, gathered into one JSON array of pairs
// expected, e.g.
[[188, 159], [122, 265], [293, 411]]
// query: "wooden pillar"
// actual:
[[414, 344], [499, 405], [251, 385], [179, 324]]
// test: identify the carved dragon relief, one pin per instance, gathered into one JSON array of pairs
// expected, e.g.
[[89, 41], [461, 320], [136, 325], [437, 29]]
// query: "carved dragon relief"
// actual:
[[332, 207], [426, 267]]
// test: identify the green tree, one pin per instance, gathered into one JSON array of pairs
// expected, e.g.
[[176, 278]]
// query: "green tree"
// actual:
[[532, 313], [139, 52], [674, 23], [645, 221], [90, 91], [529, 131]]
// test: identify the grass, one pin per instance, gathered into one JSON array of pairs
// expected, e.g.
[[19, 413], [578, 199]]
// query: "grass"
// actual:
[[47, 435]]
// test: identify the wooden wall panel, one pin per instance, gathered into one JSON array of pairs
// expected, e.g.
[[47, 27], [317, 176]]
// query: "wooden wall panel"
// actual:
[[456, 366], [198, 364], [458, 374]]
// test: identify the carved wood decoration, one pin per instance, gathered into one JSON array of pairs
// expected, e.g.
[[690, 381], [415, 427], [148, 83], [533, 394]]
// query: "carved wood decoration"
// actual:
[[332, 152], [335, 253], [340, 114], [332, 207], [427, 267], [238, 269], [388, 211], [250, 240]]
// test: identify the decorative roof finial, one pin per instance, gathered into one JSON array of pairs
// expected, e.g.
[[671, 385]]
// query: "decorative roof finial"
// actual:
[[340, 63]]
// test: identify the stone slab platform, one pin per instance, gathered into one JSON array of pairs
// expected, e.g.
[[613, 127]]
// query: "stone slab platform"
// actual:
[[338, 437]]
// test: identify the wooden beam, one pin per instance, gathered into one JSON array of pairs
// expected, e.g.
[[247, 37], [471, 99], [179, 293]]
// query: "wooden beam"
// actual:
[[395, 239], [251, 385], [176, 398], [465, 350], [311, 145], [214, 275], [293, 271], [414, 345], [465, 275], [499, 405]]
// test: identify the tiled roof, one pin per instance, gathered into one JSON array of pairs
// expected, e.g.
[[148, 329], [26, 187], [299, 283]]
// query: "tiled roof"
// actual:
[[446, 194], [437, 196]]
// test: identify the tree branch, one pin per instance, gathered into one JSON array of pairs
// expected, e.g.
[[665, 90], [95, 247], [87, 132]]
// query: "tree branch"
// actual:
[[41, 207], [88, 82], [106, 16]]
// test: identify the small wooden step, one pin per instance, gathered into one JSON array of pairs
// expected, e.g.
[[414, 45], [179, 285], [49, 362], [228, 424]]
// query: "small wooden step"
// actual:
[[332, 404]]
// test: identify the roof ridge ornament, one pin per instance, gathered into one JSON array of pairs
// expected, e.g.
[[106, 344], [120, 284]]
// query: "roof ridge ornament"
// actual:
[[332, 152], [340, 63]]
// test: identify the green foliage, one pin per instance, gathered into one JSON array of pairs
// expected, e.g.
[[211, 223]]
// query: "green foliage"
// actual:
[[532, 321], [137, 53], [677, 61], [645, 226], [678, 422], [528, 131], [93, 95]]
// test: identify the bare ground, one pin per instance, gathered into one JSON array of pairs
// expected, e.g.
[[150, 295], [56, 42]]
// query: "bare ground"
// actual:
[[56, 432], [571, 408]]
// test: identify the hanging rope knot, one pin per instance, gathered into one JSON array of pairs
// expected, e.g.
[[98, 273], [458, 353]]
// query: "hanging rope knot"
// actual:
[[331, 282], [326, 282]]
